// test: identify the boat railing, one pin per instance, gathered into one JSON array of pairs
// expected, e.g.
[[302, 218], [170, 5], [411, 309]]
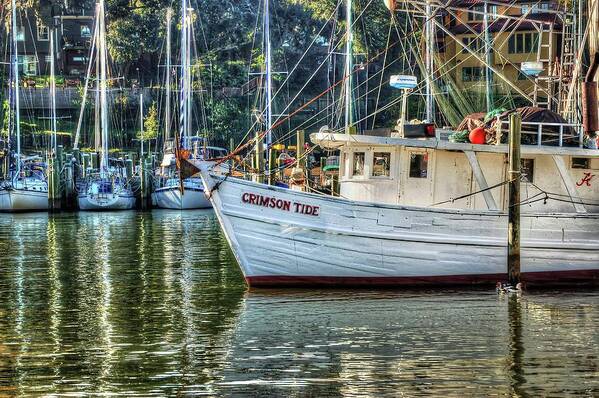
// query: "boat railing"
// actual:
[[558, 133]]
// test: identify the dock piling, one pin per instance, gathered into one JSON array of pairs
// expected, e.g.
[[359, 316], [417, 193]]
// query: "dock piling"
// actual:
[[513, 261]]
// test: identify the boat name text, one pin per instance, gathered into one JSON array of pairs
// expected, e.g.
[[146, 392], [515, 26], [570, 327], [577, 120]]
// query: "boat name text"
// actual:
[[285, 205]]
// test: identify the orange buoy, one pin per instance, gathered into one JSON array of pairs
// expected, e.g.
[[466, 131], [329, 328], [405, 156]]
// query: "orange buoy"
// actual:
[[478, 136], [390, 4]]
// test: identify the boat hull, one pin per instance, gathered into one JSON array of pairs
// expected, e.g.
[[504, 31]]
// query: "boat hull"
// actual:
[[15, 200], [106, 202], [288, 238], [171, 198]]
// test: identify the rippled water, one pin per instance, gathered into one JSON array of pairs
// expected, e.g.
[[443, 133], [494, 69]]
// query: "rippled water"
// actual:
[[143, 304]]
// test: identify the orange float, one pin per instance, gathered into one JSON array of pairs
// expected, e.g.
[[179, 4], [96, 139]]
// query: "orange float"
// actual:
[[478, 136]]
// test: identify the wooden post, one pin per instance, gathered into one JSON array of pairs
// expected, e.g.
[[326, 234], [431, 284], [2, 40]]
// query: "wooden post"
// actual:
[[143, 180], [513, 260], [259, 159], [299, 153], [272, 166], [53, 183]]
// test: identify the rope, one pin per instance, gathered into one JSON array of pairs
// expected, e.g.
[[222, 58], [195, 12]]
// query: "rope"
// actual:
[[472, 194]]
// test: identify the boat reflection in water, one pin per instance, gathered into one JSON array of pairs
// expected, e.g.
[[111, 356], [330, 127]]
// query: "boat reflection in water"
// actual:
[[152, 304]]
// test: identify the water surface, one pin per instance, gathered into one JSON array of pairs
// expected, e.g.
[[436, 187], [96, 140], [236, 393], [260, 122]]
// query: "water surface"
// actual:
[[153, 304]]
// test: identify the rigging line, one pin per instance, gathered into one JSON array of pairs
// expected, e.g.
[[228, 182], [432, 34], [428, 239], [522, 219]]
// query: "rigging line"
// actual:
[[313, 41], [378, 95], [345, 77], [472, 194], [301, 59], [557, 194]]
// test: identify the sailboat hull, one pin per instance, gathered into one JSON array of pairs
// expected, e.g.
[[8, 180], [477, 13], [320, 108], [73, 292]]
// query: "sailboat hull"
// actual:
[[282, 237], [106, 202], [171, 198], [15, 200]]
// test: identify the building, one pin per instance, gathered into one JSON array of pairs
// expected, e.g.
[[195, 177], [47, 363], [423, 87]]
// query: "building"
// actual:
[[517, 32], [73, 31]]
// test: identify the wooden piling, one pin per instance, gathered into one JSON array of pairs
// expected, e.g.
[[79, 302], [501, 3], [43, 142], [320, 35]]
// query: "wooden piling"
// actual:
[[258, 159], [53, 184], [299, 152], [513, 261], [143, 179], [272, 166]]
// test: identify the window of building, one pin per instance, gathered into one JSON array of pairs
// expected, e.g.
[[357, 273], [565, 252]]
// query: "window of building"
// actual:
[[358, 164], [475, 44], [522, 43], [48, 58], [27, 65], [43, 33], [381, 164], [85, 31], [20, 33], [476, 13], [581, 163], [534, 8], [493, 12], [472, 73], [528, 170], [418, 165]]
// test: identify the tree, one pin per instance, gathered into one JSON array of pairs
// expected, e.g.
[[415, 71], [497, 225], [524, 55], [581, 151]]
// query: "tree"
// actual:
[[151, 124]]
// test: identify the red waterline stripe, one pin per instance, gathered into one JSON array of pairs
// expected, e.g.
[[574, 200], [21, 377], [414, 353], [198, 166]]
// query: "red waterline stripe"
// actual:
[[548, 278]]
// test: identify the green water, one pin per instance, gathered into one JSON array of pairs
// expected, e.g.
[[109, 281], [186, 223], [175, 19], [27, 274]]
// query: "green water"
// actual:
[[153, 304]]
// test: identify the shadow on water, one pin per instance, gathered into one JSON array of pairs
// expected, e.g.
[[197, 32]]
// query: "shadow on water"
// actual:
[[153, 304]]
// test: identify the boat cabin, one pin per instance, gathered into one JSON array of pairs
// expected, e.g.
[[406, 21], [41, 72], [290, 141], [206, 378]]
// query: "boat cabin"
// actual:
[[443, 174]]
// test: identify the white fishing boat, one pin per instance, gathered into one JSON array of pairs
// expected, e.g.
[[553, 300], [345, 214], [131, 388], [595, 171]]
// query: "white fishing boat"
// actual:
[[107, 188], [24, 186], [421, 209]]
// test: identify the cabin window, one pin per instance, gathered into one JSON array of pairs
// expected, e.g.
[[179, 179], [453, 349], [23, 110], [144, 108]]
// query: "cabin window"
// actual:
[[528, 170], [358, 164], [522, 43], [381, 164], [43, 34], [581, 163], [418, 165]]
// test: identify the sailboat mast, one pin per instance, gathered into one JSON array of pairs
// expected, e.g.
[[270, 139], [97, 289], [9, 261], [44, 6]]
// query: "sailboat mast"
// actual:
[[167, 117], [268, 71], [429, 64], [141, 123], [348, 66], [97, 138], [53, 91], [488, 72], [17, 109], [103, 89], [183, 98]]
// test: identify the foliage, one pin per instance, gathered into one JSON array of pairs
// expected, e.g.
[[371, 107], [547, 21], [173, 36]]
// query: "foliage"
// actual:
[[5, 118], [151, 124]]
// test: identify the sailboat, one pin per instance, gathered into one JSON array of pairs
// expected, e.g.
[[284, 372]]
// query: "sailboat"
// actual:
[[106, 188], [171, 191], [417, 210], [24, 186]]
